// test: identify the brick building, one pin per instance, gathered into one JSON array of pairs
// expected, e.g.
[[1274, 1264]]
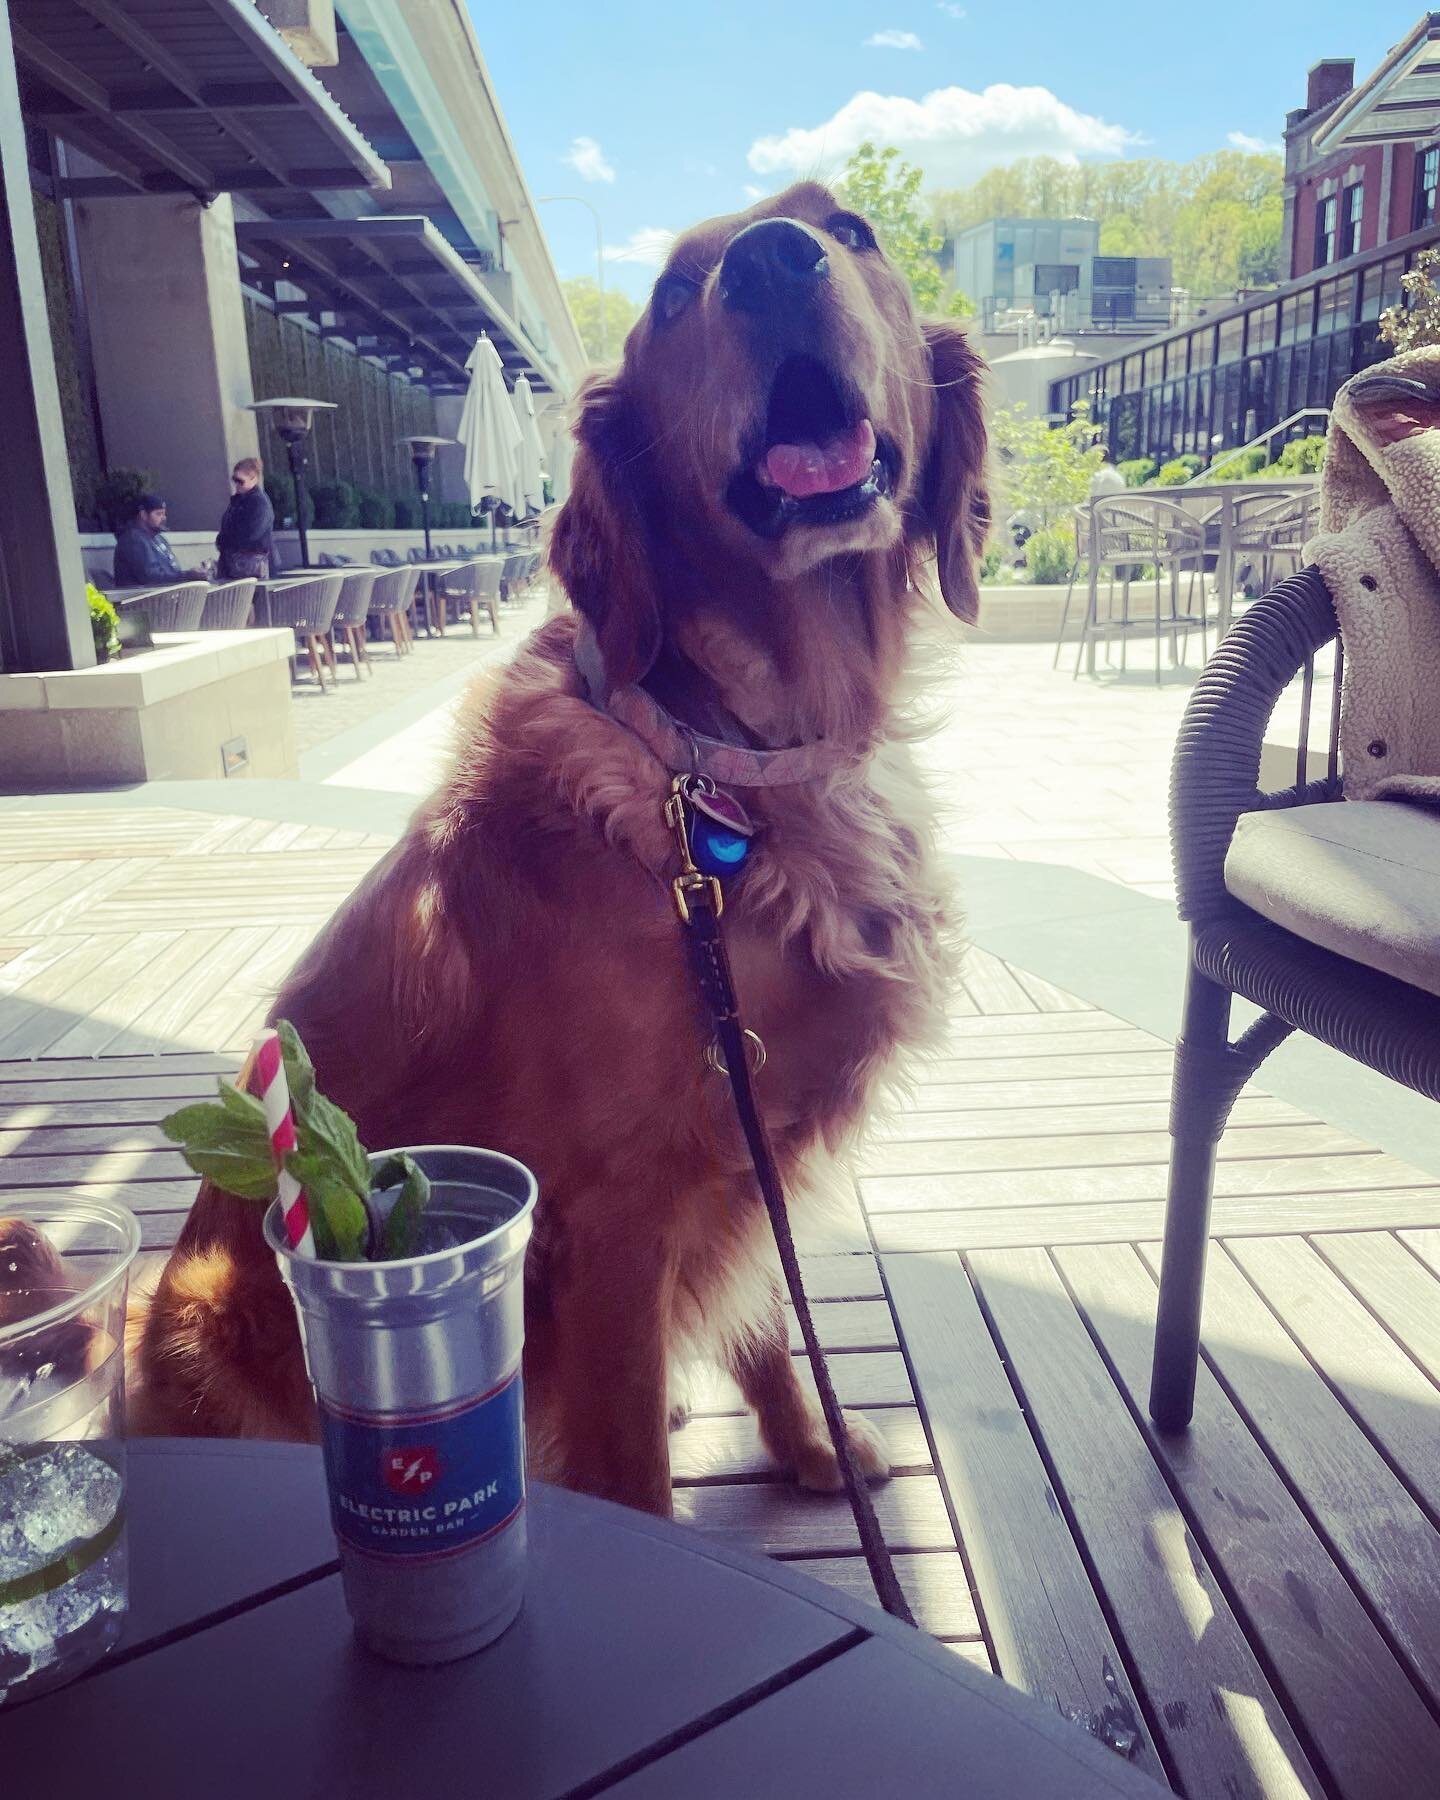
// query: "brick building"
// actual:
[[1362, 164]]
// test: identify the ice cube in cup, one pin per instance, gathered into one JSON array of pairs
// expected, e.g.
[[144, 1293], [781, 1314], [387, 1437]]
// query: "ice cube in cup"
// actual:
[[64, 1268]]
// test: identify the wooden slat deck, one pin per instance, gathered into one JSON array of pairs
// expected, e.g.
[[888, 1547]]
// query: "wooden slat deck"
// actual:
[[157, 930], [1252, 1609]]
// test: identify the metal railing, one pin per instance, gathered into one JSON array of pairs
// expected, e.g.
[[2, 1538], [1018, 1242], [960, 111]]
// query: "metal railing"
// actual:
[[1224, 456]]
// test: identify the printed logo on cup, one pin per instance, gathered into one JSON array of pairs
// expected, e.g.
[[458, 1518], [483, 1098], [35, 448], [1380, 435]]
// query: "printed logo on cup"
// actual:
[[429, 1484], [410, 1471]]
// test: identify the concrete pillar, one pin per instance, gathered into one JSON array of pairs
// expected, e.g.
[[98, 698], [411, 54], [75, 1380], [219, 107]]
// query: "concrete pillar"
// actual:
[[44, 616], [167, 331]]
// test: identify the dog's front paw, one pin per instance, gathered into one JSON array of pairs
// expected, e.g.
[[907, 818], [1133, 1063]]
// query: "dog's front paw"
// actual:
[[817, 1467]]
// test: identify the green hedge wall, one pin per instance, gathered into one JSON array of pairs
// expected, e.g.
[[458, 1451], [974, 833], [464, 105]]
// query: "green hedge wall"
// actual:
[[81, 444], [358, 442]]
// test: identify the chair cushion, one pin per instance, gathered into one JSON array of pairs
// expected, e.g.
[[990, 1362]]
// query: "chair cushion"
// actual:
[[1359, 877]]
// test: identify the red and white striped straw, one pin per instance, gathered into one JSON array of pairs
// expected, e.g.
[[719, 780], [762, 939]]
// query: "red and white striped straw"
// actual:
[[280, 1122]]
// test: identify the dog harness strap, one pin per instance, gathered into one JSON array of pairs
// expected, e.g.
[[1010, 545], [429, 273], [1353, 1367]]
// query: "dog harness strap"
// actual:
[[687, 752], [699, 901]]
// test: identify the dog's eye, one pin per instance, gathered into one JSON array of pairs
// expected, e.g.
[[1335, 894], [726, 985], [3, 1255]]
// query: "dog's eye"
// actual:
[[852, 231], [673, 293]]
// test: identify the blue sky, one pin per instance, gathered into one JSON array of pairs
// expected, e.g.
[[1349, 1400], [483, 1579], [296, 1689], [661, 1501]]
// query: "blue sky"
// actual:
[[662, 114]]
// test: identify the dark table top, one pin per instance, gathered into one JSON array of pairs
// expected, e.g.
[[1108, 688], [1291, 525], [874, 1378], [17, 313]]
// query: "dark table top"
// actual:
[[646, 1662]]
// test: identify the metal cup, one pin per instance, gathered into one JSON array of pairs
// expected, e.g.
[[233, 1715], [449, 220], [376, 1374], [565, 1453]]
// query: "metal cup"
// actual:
[[416, 1368]]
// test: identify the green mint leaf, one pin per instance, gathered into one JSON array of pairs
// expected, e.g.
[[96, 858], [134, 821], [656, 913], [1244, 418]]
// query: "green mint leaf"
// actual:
[[326, 1131], [402, 1225], [338, 1219], [299, 1070], [227, 1143]]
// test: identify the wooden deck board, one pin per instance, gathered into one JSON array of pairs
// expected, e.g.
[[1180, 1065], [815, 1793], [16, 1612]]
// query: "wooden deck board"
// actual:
[[1043, 1621], [1207, 1696], [1298, 1605]]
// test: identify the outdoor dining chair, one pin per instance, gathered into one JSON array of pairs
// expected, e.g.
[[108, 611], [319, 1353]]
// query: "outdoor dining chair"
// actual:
[[351, 612], [175, 608], [391, 598], [474, 587], [1138, 540], [307, 606], [228, 605], [1321, 911], [1269, 535]]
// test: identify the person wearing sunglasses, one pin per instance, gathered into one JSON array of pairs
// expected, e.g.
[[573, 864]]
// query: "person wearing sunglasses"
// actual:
[[245, 539]]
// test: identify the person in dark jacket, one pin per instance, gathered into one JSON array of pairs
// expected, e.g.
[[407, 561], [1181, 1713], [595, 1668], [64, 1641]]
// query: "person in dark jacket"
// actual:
[[143, 557], [245, 542]]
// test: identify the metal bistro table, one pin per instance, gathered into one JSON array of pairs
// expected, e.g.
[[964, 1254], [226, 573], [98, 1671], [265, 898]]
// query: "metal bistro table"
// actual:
[[646, 1663]]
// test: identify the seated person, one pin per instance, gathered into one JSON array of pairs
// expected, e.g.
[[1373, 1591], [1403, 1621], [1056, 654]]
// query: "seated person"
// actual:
[[143, 557]]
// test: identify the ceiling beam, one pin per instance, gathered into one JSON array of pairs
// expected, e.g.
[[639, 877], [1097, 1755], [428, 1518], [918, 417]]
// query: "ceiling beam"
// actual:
[[147, 45], [74, 85]]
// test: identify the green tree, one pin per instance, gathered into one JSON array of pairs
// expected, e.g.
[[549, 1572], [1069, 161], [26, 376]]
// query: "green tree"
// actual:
[[1219, 217], [583, 297], [886, 191], [1044, 470]]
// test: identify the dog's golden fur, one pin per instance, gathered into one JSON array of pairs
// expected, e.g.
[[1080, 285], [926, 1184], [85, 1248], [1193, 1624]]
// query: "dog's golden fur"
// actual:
[[512, 974]]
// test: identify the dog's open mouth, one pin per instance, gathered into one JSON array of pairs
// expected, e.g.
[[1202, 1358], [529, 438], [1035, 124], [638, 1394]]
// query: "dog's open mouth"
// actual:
[[819, 461]]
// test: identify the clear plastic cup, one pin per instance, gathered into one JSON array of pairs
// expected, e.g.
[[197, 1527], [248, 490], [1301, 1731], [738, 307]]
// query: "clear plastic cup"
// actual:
[[64, 1274]]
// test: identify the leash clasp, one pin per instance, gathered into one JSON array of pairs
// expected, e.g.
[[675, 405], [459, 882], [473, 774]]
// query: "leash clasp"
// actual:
[[692, 888]]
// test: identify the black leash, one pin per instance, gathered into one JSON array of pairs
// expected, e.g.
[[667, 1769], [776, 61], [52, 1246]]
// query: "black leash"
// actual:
[[699, 900]]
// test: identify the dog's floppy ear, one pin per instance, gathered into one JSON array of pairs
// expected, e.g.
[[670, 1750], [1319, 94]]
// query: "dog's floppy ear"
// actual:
[[954, 494], [600, 547]]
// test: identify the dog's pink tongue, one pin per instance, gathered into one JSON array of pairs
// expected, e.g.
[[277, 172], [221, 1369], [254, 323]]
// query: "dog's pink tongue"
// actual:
[[804, 469]]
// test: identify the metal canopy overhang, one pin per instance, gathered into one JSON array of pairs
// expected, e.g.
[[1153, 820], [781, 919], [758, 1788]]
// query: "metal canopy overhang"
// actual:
[[397, 280], [189, 96], [1401, 100]]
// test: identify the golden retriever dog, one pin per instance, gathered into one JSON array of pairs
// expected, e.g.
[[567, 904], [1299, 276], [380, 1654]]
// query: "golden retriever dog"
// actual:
[[758, 492]]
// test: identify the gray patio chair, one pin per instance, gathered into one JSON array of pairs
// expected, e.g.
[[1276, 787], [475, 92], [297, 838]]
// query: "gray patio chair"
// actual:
[[174, 608], [1319, 910], [474, 587], [307, 605], [510, 577], [228, 606], [391, 598], [1269, 534], [1142, 538], [351, 611]]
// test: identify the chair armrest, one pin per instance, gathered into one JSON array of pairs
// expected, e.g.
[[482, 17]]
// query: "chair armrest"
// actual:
[[1216, 769]]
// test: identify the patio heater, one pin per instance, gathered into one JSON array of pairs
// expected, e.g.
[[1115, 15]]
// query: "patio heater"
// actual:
[[422, 454], [292, 420]]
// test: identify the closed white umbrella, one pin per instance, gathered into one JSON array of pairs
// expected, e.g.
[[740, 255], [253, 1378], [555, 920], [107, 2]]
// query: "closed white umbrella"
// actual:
[[490, 432], [532, 451]]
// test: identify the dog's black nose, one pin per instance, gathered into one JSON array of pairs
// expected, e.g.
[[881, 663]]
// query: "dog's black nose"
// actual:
[[771, 264]]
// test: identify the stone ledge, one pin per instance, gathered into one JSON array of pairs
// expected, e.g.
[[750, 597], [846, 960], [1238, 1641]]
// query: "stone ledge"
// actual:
[[177, 664], [161, 714]]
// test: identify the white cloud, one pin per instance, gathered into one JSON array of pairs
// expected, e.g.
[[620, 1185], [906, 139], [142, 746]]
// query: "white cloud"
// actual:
[[649, 245], [949, 7], [893, 40], [1242, 140], [588, 160], [953, 134]]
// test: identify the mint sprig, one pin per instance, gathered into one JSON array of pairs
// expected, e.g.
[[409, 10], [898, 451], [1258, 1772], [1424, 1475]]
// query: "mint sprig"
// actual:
[[227, 1142]]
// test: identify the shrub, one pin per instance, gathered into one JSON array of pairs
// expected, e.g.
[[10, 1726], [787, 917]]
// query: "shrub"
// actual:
[[1243, 466], [280, 486], [1301, 456], [337, 505], [1178, 470], [991, 562], [1049, 556], [104, 623], [407, 513], [116, 495], [1138, 470], [375, 511]]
